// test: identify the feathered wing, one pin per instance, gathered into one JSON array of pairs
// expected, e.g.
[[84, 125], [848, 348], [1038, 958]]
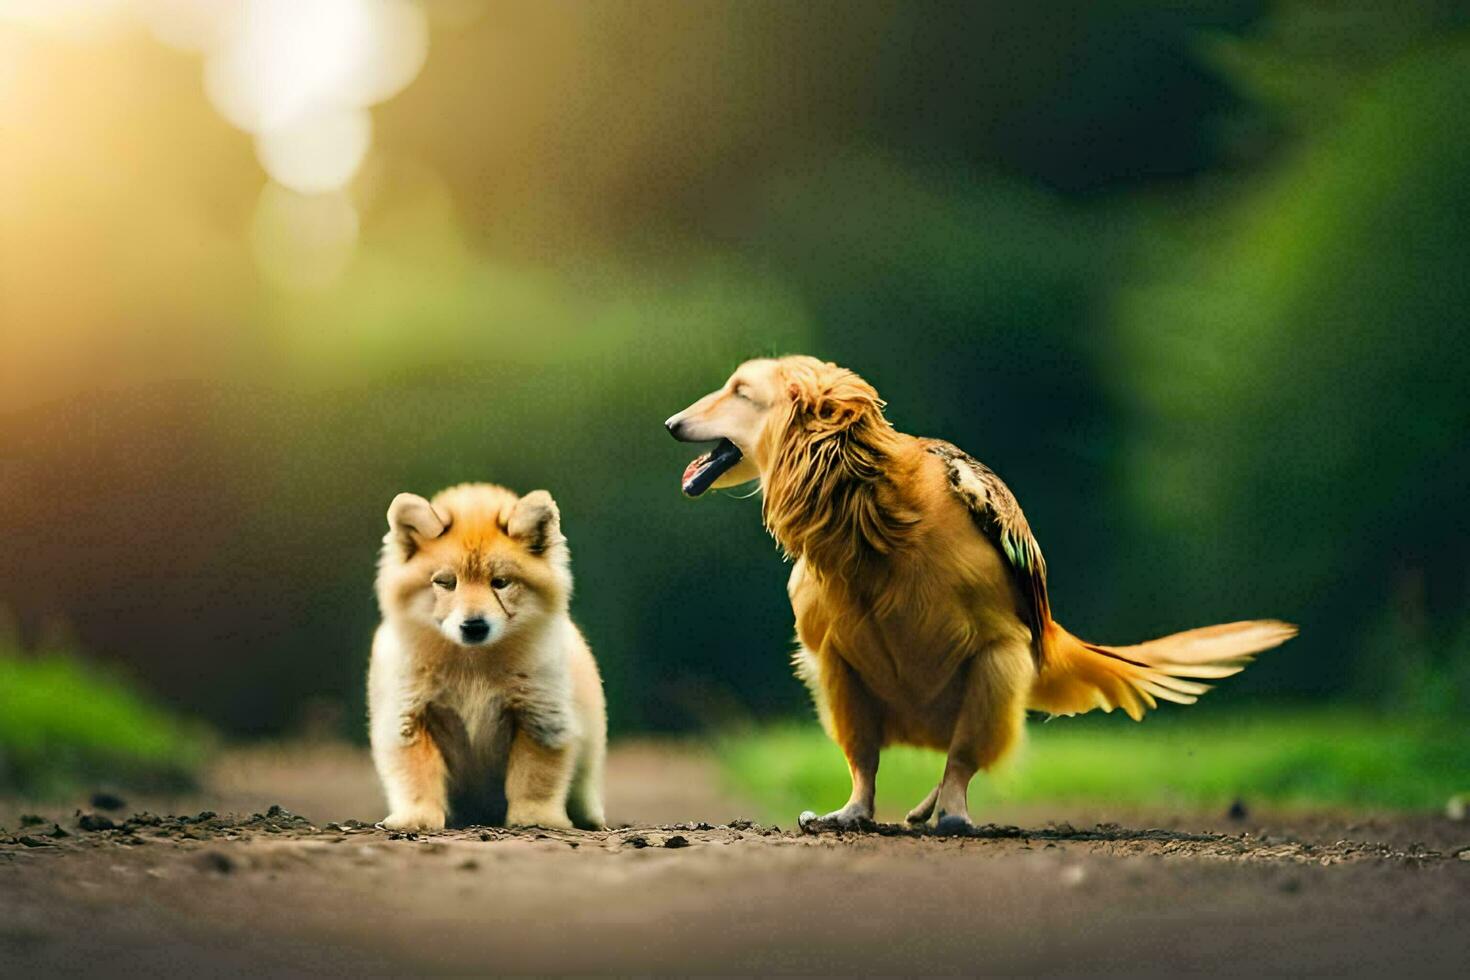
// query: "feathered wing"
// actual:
[[1073, 675], [999, 517]]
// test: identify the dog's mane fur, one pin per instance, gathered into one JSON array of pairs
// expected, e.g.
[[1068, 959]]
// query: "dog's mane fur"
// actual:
[[828, 495]]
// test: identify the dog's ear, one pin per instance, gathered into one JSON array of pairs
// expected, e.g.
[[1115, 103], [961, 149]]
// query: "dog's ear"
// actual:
[[832, 398], [535, 522], [412, 518]]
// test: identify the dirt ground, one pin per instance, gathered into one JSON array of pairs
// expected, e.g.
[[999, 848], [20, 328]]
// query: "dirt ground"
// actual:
[[692, 888]]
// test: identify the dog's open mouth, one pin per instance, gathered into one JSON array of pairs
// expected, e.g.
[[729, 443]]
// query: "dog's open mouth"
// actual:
[[705, 469]]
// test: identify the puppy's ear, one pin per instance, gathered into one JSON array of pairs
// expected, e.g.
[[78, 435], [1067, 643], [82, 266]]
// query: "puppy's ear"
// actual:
[[535, 522], [412, 517]]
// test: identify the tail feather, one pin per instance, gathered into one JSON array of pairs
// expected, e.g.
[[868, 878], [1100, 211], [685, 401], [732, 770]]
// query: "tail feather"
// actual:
[[1077, 676]]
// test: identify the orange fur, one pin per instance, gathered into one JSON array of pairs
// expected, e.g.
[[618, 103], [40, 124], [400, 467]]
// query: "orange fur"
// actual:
[[485, 704], [1081, 676]]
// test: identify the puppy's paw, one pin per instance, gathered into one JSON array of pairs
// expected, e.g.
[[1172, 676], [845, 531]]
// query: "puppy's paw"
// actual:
[[414, 818], [590, 821], [538, 815]]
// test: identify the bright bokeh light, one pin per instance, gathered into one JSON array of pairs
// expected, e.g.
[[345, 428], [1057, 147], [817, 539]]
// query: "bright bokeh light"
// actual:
[[298, 75], [280, 62], [317, 153]]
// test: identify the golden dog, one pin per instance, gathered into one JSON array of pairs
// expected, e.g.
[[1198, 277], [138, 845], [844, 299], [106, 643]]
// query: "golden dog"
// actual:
[[919, 591]]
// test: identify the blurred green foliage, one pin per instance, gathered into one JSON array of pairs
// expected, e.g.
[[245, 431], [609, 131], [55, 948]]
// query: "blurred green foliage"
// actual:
[[1191, 278], [65, 726], [1299, 390], [1298, 759]]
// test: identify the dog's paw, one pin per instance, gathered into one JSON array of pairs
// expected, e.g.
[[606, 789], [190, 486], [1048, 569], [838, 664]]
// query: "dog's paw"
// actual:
[[953, 825], [849, 817], [537, 815], [416, 818]]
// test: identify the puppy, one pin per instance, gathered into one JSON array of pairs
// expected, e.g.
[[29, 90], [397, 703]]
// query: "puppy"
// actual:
[[485, 705]]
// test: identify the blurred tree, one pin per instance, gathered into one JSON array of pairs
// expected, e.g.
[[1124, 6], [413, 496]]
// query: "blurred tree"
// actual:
[[1302, 397], [1156, 263]]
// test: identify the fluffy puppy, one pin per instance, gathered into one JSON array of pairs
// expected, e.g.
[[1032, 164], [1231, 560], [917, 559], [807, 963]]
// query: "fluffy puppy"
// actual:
[[485, 705]]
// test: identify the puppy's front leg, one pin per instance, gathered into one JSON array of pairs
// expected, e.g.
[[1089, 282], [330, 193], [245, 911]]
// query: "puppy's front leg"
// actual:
[[537, 778], [414, 776]]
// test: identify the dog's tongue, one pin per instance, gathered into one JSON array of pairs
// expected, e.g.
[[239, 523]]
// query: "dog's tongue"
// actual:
[[693, 467], [705, 469]]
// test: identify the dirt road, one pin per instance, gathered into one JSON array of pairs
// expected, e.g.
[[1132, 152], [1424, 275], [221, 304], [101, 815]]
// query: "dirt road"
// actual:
[[324, 893]]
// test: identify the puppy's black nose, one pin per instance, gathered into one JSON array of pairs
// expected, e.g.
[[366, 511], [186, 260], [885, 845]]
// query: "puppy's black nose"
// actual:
[[475, 630], [674, 425]]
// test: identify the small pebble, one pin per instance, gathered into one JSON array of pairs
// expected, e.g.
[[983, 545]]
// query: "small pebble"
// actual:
[[95, 822]]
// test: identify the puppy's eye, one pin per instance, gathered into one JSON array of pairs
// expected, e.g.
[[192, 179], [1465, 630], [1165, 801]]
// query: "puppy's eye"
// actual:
[[499, 582], [743, 392], [445, 581]]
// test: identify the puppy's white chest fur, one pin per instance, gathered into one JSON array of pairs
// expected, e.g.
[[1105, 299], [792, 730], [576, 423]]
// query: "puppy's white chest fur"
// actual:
[[484, 702], [475, 698]]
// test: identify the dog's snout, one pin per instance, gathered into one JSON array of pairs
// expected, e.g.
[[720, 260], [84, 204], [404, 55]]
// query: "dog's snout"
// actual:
[[475, 629], [675, 425]]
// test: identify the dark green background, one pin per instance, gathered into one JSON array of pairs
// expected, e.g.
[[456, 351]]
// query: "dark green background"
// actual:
[[1191, 277]]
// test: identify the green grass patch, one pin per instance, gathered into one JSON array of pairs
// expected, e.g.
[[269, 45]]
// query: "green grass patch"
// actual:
[[1288, 759], [66, 725]]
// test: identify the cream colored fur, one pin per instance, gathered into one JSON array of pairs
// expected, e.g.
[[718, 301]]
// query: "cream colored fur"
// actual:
[[510, 729]]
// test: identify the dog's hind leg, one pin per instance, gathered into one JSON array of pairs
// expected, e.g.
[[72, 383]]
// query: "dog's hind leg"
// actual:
[[854, 718], [925, 809], [991, 719]]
